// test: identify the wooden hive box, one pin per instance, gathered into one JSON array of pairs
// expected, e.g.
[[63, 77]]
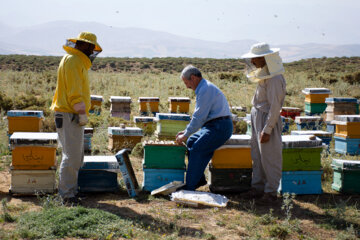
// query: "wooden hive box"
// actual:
[[301, 182], [308, 122], [147, 124], [341, 106], [88, 133], [148, 104], [98, 174], [179, 104], [235, 153], [166, 155], [324, 136], [156, 178], [24, 121], [314, 108], [96, 101], [169, 124], [32, 181], [301, 153], [349, 146], [32, 151], [316, 95], [291, 112], [223, 180], [346, 176], [124, 137], [120, 107], [347, 126]]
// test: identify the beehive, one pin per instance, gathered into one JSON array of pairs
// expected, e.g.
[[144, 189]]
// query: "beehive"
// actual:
[[314, 108], [340, 106], [346, 176], [235, 153], [32, 181], [347, 126], [179, 104], [147, 124], [301, 182], [88, 133], [98, 174], [291, 112], [222, 180], [155, 178], [169, 124], [127, 172], [308, 122], [24, 121], [324, 136], [96, 102], [164, 155], [301, 153], [32, 151], [316, 95], [148, 105], [120, 107], [124, 137], [349, 146]]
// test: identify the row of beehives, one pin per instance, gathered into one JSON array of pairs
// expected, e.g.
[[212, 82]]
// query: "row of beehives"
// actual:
[[121, 106], [230, 168]]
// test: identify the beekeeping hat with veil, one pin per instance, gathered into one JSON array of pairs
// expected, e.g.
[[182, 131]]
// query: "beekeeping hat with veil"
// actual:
[[85, 37], [273, 67]]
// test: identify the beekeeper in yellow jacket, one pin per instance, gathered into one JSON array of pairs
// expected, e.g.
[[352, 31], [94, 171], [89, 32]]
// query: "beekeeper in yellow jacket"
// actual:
[[71, 104], [266, 69]]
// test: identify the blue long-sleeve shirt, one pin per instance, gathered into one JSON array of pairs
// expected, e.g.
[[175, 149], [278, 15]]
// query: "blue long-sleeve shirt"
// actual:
[[210, 103]]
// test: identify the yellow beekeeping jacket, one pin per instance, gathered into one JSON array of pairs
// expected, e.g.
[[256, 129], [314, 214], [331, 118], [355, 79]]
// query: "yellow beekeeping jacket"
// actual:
[[72, 82]]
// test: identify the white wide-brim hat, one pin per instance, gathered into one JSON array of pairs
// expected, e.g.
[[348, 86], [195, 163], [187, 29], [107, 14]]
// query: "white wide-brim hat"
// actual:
[[260, 50]]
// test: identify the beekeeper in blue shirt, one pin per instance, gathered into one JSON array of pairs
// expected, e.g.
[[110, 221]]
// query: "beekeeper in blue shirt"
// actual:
[[210, 126]]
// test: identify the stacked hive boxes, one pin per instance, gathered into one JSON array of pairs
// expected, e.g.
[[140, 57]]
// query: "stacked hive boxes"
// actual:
[[96, 102], [163, 163], [291, 112], [347, 134], [301, 165], [148, 105], [147, 124], [24, 121], [315, 100], [124, 137], [308, 122], [231, 166], [179, 104], [339, 106], [169, 124], [346, 176], [324, 136], [33, 162], [98, 174], [120, 107], [88, 133]]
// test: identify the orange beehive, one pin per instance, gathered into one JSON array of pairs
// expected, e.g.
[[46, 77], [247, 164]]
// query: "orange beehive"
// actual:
[[24, 121], [179, 104]]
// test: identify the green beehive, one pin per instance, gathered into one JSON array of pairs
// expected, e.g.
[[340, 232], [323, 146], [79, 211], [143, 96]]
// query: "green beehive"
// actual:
[[164, 156], [301, 153], [315, 107], [346, 176], [169, 124]]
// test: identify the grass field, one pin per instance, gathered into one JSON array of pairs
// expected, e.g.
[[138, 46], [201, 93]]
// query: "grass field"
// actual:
[[28, 82]]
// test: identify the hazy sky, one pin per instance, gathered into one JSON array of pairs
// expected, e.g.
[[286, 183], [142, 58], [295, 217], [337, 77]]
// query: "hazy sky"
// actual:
[[277, 21]]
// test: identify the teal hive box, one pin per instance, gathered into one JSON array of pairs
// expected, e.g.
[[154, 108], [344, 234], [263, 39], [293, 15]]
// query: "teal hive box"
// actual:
[[301, 182], [164, 156], [300, 153], [230, 180], [155, 178], [349, 146], [315, 107], [346, 176], [169, 124]]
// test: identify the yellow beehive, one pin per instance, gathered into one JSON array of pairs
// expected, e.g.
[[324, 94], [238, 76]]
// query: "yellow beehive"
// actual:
[[33, 150], [96, 102], [24, 121], [316, 98], [121, 137], [347, 126], [149, 104], [235, 153], [179, 104]]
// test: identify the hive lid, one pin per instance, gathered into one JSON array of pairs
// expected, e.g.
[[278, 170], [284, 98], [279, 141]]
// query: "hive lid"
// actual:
[[291, 109], [107, 163], [341, 100], [179, 99], [127, 131], [318, 133], [97, 98], [25, 113], [168, 188], [162, 143], [143, 119], [346, 164], [300, 141], [120, 99], [347, 118], [172, 116], [88, 130], [304, 119], [316, 91], [149, 99], [33, 138], [238, 139]]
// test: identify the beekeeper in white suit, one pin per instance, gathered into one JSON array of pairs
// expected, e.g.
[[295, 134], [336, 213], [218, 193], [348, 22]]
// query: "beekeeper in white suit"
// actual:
[[265, 68]]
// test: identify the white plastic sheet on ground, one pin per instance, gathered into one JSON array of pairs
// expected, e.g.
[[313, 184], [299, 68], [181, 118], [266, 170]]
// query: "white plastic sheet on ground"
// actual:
[[194, 198]]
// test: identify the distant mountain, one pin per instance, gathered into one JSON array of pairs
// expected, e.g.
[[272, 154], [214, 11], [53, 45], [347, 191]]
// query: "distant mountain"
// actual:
[[48, 38]]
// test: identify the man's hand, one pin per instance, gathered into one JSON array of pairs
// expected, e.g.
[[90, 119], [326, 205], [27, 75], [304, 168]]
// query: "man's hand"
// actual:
[[264, 137], [83, 119], [181, 138], [79, 108]]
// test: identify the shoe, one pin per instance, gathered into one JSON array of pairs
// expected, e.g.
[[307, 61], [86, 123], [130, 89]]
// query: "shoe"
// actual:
[[72, 201], [269, 198], [254, 193]]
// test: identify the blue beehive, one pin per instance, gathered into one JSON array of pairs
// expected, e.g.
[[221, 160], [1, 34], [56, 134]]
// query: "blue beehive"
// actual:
[[98, 174], [301, 182], [308, 122], [330, 127], [127, 172], [347, 145], [155, 178]]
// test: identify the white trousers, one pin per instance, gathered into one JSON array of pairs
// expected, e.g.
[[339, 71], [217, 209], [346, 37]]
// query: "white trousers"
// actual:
[[71, 137], [266, 157]]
